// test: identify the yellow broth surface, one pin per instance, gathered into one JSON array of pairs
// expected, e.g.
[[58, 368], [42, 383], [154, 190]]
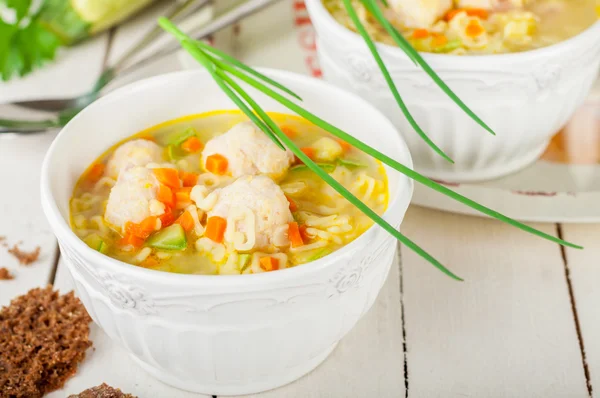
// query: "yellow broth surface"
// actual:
[[519, 25], [327, 221]]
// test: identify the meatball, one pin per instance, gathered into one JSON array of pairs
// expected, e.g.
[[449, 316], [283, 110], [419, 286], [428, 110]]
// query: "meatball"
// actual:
[[257, 213], [133, 198], [133, 153], [419, 14], [249, 152]]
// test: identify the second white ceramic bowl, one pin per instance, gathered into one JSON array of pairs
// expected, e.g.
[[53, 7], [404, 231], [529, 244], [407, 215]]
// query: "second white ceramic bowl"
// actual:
[[226, 334], [524, 97]]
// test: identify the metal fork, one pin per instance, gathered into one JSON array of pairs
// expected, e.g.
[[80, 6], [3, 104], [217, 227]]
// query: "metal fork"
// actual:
[[76, 104]]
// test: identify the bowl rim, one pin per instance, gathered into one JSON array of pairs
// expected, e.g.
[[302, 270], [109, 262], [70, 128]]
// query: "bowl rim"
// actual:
[[320, 10], [61, 227]]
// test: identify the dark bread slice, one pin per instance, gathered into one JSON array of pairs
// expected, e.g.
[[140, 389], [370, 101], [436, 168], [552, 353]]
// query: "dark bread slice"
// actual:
[[43, 337], [102, 391]]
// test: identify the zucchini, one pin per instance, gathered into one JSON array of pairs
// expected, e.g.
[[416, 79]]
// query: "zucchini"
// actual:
[[320, 254], [327, 167], [450, 46], [351, 164], [97, 243], [76, 20], [176, 139], [174, 153], [244, 261], [170, 238]]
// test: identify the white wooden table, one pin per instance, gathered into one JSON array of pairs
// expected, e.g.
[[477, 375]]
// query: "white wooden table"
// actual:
[[524, 324]]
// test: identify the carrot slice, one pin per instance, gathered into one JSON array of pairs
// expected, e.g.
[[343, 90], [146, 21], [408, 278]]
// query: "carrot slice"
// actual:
[[472, 12], [143, 229], [217, 164], [303, 232], [167, 218], [131, 240], [182, 195], [149, 262], [96, 172], [474, 29], [165, 195], [269, 263], [188, 179], [310, 152], [293, 205], [345, 146], [168, 177], [192, 145], [186, 221], [215, 228], [294, 235], [290, 132], [439, 40], [420, 34]]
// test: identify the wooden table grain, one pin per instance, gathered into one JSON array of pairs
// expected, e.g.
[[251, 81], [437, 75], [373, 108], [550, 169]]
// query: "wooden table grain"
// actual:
[[524, 323]]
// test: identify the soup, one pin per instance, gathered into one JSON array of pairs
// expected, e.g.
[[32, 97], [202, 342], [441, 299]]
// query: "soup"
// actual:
[[477, 26], [212, 194]]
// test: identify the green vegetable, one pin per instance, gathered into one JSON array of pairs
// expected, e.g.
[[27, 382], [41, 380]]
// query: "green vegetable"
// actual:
[[179, 138], [30, 35], [451, 45], [320, 254], [175, 153], [219, 69], [170, 238], [351, 164], [97, 243], [244, 261], [328, 167]]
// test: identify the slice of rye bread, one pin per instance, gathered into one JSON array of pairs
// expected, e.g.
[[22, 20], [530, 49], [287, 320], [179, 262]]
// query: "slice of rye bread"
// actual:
[[102, 391], [43, 336]]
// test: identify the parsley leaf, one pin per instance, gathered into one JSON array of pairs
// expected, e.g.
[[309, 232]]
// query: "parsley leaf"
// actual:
[[24, 43]]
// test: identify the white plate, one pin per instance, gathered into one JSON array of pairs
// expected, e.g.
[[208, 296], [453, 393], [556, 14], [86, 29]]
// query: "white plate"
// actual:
[[564, 186]]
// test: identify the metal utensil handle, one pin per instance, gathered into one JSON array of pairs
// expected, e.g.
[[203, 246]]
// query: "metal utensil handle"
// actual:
[[240, 12], [186, 8]]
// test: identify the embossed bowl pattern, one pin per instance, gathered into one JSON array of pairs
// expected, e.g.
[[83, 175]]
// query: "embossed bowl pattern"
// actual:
[[222, 334], [524, 97]]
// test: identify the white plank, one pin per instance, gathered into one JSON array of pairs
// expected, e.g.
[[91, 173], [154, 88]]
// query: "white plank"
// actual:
[[21, 157], [585, 274], [108, 363], [21, 216], [368, 362], [507, 331]]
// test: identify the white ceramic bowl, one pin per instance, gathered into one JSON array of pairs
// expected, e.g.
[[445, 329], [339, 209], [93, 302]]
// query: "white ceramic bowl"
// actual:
[[525, 97], [221, 334]]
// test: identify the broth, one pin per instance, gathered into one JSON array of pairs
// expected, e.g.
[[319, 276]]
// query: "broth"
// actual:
[[468, 30], [325, 220]]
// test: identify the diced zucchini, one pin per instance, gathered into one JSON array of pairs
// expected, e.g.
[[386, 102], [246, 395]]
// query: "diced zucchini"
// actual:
[[244, 261], [450, 46], [97, 243], [179, 138], [175, 153], [327, 149], [320, 254], [351, 164], [327, 167], [170, 238]]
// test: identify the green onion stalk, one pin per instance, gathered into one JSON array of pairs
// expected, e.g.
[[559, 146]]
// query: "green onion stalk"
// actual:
[[229, 73]]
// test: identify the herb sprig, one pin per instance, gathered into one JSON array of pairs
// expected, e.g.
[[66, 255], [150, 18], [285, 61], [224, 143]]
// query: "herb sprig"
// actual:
[[223, 69]]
